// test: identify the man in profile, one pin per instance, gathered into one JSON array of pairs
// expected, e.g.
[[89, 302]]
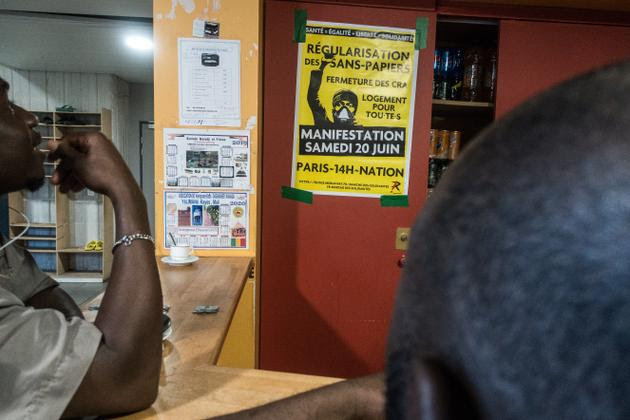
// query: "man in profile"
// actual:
[[515, 303], [52, 361]]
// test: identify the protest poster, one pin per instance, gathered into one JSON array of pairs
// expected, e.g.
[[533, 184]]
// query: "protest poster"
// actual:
[[207, 159], [354, 110], [206, 220]]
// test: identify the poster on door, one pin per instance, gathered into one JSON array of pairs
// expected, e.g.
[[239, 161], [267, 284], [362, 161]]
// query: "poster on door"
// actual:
[[206, 220], [207, 159], [354, 110]]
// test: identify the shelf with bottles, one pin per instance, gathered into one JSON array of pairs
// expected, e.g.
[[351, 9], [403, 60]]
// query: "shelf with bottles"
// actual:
[[465, 62]]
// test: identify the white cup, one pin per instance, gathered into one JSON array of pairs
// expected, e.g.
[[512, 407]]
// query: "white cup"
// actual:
[[180, 252]]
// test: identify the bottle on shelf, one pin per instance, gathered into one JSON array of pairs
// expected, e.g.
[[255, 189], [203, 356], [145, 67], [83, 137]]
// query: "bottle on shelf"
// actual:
[[490, 75], [456, 75], [473, 73]]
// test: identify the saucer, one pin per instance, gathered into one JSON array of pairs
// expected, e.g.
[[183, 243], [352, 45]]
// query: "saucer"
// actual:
[[179, 262]]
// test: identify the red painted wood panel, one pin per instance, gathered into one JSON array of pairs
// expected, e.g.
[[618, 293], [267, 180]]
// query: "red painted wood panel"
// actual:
[[394, 4], [328, 270], [536, 55]]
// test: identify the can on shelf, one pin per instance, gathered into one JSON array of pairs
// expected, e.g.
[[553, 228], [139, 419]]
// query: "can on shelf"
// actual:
[[433, 142], [443, 141], [454, 142], [433, 173]]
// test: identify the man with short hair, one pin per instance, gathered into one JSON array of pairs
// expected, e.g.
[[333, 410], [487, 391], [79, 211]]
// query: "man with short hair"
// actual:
[[515, 303], [52, 361]]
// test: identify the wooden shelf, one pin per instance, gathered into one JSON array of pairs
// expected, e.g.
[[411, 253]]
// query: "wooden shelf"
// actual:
[[77, 251], [69, 255], [61, 126], [35, 225], [77, 277], [463, 104], [36, 238], [96, 114]]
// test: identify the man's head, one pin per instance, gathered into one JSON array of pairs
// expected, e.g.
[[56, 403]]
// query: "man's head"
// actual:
[[344, 107], [516, 296], [21, 164]]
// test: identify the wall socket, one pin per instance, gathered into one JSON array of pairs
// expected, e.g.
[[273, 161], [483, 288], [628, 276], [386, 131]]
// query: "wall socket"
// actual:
[[402, 238]]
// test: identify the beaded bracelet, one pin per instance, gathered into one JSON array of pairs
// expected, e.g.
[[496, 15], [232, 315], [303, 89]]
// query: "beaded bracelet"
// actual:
[[128, 239]]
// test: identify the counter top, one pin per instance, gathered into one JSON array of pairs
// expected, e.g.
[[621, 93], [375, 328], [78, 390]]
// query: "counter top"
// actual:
[[197, 339], [190, 385], [207, 391]]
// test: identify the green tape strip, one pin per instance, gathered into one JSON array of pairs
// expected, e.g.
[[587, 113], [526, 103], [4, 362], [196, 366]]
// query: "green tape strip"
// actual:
[[394, 201], [297, 195], [299, 25], [422, 26]]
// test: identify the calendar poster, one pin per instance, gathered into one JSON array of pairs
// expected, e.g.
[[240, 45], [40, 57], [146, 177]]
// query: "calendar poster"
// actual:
[[203, 159], [207, 220]]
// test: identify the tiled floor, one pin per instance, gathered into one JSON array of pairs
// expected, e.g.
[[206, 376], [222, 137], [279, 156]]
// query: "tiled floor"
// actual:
[[82, 292]]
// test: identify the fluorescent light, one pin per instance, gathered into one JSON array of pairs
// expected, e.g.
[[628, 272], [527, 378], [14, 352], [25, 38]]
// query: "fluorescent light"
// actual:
[[140, 43]]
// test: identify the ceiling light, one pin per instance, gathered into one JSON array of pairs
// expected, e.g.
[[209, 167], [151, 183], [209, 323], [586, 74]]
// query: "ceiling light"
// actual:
[[139, 43]]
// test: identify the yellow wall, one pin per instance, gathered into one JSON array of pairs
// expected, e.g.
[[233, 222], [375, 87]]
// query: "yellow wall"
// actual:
[[238, 19], [239, 347]]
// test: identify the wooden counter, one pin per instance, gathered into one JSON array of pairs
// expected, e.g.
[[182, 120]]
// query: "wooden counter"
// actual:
[[197, 339], [208, 391], [190, 385]]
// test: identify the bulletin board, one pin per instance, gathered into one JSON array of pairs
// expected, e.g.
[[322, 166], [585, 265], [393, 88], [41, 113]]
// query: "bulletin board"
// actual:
[[203, 48]]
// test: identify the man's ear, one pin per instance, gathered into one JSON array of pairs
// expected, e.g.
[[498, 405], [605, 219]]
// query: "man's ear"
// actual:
[[435, 393]]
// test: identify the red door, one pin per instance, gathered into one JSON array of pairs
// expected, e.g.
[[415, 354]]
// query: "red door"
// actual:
[[329, 270], [536, 55]]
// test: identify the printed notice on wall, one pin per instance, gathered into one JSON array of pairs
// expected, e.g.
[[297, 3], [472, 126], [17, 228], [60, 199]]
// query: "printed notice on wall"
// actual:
[[207, 159], [209, 82], [354, 110], [207, 220]]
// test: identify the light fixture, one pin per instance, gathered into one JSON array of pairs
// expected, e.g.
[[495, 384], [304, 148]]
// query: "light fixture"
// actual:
[[139, 43]]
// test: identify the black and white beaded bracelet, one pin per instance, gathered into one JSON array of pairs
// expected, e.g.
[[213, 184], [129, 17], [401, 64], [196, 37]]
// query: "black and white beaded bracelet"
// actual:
[[128, 239]]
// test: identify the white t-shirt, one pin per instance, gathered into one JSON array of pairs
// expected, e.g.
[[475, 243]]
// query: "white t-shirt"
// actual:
[[43, 356]]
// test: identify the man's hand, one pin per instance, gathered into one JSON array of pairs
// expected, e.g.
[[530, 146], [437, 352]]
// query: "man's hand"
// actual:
[[89, 160]]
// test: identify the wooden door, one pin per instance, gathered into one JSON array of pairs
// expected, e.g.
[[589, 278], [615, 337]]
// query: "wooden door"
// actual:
[[329, 270], [536, 55]]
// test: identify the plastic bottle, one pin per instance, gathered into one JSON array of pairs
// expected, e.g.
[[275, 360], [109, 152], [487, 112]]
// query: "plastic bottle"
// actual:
[[473, 72], [490, 75]]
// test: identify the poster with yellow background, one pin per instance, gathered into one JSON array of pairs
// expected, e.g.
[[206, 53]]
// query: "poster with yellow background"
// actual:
[[354, 110]]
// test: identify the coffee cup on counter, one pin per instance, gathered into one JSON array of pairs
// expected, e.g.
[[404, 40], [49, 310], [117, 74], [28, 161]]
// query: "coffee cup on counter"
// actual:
[[181, 252]]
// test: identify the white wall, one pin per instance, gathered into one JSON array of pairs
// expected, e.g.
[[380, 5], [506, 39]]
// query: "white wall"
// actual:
[[86, 92]]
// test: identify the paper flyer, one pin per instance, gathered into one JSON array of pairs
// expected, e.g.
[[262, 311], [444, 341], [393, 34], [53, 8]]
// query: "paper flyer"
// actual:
[[207, 220], [207, 159], [209, 82], [354, 110]]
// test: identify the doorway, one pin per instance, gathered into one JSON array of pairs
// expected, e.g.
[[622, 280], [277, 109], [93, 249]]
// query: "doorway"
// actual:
[[147, 174]]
